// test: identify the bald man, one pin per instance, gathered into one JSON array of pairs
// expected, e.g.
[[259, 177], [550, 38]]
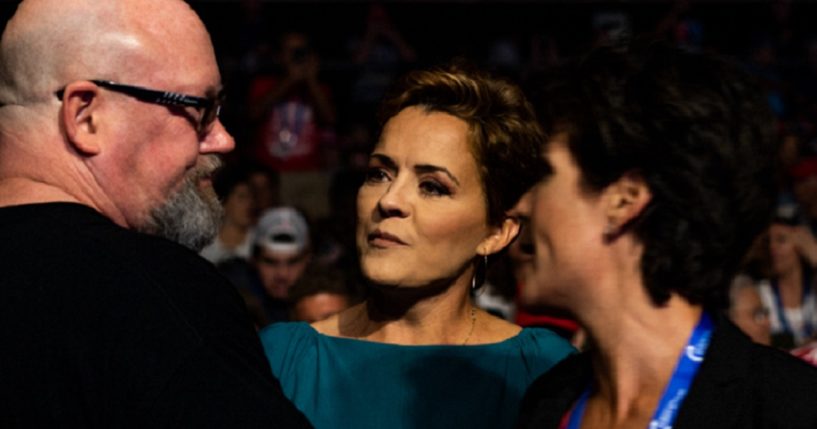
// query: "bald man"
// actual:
[[109, 133]]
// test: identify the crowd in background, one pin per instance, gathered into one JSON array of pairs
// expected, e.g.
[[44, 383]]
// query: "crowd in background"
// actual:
[[626, 189], [304, 81]]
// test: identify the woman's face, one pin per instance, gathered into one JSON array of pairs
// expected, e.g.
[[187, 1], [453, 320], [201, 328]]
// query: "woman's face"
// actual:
[[566, 225], [421, 210], [782, 250], [239, 207]]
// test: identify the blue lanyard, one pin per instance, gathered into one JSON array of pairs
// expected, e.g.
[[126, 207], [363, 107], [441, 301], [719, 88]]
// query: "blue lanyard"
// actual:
[[578, 411], [781, 315], [678, 386]]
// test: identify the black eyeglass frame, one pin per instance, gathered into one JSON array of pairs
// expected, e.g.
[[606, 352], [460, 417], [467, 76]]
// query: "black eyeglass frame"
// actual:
[[211, 106]]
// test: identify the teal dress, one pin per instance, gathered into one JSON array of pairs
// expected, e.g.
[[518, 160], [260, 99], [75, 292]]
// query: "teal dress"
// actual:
[[347, 383]]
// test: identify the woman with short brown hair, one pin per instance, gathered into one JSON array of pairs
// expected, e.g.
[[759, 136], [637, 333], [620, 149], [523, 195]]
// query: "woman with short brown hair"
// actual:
[[456, 152]]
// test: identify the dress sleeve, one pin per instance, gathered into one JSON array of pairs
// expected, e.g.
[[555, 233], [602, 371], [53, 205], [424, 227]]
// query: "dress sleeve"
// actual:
[[287, 347], [542, 349]]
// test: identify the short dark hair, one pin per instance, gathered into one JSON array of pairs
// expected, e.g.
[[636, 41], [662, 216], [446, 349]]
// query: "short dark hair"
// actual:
[[700, 133], [505, 138]]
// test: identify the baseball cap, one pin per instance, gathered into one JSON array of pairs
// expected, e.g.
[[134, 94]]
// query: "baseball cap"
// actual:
[[283, 230]]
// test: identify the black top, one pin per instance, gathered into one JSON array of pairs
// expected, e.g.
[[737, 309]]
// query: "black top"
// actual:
[[739, 385], [105, 327]]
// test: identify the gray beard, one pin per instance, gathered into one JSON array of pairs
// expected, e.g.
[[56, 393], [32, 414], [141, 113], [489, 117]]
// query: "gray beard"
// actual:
[[192, 216]]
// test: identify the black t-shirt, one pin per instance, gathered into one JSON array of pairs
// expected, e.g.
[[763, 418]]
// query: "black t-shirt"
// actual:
[[105, 327]]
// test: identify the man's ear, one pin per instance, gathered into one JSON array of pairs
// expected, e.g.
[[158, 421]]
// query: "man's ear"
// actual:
[[626, 199], [501, 236], [80, 117]]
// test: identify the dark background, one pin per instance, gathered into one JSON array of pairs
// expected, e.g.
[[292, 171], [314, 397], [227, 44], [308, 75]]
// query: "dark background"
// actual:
[[440, 30]]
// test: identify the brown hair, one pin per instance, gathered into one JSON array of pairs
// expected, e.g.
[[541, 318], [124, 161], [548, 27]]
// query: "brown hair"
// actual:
[[504, 137]]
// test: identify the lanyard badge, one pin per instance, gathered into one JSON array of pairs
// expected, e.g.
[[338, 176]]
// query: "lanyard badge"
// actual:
[[678, 386]]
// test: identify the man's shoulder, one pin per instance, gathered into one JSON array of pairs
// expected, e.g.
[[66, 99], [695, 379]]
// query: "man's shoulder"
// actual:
[[76, 232], [66, 251], [141, 327], [62, 226]]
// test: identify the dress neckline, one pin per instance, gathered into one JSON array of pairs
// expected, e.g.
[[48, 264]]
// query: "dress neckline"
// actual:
[[506, 342]]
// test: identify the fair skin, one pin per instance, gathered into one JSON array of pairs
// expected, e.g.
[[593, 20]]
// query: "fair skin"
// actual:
[[103, 149], [422, 225], [597, 277]]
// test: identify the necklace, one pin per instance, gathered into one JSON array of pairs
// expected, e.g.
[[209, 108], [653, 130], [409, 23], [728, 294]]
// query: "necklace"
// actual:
[[473, 322]]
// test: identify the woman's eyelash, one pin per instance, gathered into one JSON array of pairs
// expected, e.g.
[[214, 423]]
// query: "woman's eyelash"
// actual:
[[434, 188], [376, 174]]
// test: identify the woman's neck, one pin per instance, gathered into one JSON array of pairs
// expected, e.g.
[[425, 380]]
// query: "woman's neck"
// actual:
[[439, 315], [790, 286], [412, 316], [635, 351]]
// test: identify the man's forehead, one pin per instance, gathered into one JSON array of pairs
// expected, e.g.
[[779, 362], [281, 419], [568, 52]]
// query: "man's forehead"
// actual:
[[180, 67]]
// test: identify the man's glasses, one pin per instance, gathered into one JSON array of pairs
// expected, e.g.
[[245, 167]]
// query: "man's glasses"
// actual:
[[211, 106]]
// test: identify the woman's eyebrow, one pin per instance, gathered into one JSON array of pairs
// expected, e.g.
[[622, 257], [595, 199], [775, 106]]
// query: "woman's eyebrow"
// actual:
[[428, 168], [385, 160]]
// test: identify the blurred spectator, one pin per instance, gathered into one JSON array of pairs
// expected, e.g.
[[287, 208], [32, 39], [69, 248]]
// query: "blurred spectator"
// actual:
[[788, 293], [281, 253], [682, 26], [265, 185], [318, 295], [748, 312], [235, 236], [612, 27], [295, 117], [381, 54], [252, 49], [281, 250]]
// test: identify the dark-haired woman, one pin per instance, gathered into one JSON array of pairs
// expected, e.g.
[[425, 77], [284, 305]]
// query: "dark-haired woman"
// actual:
[[232, 185], [790, 293], [658, 180], [456, 152]]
